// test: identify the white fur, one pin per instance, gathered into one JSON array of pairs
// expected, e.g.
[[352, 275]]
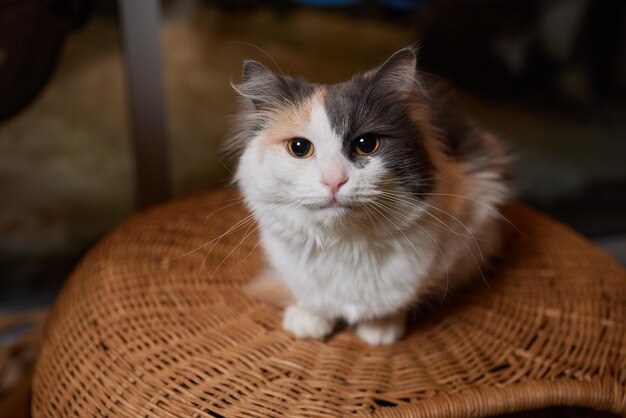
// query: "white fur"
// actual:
[[306, 324], [365, 267], [381, 332]]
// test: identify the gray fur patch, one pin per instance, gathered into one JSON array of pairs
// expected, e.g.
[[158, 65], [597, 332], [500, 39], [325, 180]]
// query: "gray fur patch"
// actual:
[[379, 104], [270, 91]]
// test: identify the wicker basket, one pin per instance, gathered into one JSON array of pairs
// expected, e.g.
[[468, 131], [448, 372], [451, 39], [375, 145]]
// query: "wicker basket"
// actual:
[[153, 323]]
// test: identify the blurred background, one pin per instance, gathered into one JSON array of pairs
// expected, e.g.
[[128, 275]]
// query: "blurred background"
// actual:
[[548, 76], [104, 110]]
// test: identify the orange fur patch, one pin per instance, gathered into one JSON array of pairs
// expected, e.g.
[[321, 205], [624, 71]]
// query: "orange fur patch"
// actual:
[[288, 122], [449, 176]]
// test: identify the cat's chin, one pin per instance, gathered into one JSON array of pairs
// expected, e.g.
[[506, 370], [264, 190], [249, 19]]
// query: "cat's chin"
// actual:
[[331, 211], [333, 204]]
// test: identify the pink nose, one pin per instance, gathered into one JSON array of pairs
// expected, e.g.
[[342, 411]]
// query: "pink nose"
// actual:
[[334, 184]]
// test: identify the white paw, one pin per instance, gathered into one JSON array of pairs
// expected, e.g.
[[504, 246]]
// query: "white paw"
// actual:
[[305, 324], [381, 332]]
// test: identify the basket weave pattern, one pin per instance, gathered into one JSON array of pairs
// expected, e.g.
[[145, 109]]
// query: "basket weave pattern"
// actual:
[[148, 327]]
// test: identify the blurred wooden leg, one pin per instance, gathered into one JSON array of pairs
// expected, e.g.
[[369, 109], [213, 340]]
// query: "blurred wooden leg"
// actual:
[[142, 55]]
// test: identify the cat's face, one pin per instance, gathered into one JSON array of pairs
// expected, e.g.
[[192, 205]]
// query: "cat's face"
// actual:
[[332, 151]]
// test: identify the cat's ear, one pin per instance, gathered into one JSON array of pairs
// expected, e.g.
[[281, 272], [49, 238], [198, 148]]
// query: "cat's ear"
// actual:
[[399, 73], [264, 88]]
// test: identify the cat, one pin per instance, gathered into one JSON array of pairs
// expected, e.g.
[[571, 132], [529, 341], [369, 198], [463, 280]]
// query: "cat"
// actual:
[[370, 195]]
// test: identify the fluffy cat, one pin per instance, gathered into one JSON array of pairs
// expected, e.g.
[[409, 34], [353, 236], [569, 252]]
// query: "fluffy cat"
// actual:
[[370, 194]]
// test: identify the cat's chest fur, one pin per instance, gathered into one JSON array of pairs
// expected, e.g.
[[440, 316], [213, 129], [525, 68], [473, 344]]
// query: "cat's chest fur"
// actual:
[[349, 276]]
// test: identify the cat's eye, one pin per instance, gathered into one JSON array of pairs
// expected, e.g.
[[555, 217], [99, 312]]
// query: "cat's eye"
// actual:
[[300, 147], [366, 144]]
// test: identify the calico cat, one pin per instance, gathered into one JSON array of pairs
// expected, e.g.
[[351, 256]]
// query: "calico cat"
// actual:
[[370, 194]]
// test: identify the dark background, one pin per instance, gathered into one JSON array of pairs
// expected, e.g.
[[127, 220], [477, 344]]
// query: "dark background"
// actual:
[[548, 76]]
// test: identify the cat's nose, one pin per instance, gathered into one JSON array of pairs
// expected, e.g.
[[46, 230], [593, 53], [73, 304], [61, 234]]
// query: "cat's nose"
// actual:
[[334, 184], [334, 172]]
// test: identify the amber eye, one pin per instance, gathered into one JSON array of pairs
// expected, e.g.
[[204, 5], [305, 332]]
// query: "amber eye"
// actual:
[[366, 144], [300, 147]]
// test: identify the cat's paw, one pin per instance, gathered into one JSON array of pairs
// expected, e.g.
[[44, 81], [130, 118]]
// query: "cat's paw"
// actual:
[[305, 324], [381, 331]]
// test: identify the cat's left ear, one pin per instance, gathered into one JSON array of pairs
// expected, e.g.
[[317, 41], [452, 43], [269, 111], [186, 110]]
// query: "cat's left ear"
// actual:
[[399, 73], [261, 85]]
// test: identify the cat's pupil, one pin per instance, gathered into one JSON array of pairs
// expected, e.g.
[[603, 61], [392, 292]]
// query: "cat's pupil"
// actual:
[[367, 144], [300, 147]]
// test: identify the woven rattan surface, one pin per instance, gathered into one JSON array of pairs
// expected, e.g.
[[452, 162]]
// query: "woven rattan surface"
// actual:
[[147, 327]]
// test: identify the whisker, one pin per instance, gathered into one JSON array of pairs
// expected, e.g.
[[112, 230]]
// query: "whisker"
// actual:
[[464, 244], [263, 51], [239, 224], [246, 236], [393, 196], [231, 229], [238, 201], [248, 220], [434, 242], [489, 207]]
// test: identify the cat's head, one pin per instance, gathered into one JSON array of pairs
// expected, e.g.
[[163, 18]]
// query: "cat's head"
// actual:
[[331, 151]]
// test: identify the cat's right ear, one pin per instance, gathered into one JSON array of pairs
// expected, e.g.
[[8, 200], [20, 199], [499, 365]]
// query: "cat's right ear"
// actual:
[[264, 88], [398, 75]]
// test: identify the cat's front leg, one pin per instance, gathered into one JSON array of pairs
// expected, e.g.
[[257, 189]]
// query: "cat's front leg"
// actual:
[[382, 331], [306, 324]]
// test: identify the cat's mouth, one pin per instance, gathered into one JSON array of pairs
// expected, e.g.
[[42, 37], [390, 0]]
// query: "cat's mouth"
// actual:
[[333, 203]]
